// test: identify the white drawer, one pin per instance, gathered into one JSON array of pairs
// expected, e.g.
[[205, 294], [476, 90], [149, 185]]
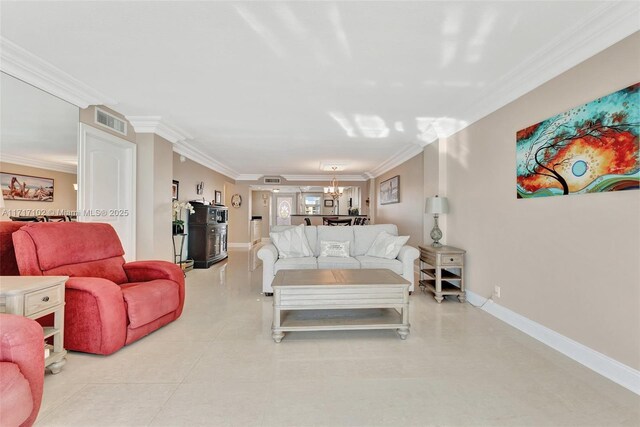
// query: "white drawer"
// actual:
[[446, 259], [35, 302]]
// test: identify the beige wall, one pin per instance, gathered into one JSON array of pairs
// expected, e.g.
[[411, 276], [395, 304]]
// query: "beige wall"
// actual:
[[64, 196], [435, 182], [238, 217], [258, 208], [190, 173], [569, 263], [88, 116], [153, 202], [409, 213]]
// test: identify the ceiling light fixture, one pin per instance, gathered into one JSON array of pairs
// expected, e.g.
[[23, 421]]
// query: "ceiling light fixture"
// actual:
[[333, 190]]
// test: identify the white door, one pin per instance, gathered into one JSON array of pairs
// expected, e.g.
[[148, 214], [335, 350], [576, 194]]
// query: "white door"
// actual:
[[284, 207], [107, 184]]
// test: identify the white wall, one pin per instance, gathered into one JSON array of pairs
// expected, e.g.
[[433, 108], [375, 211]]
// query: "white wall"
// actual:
[[570, 263]]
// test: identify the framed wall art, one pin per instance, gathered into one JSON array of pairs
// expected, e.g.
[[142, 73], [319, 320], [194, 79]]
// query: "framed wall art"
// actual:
[[236, 200], [26, 187], [328, 203], [592, 148], [175, 190], [218, 197], [390, 191]]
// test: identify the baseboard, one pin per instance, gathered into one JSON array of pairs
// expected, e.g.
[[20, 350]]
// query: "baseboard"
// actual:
[[617, 372], [239, 245]]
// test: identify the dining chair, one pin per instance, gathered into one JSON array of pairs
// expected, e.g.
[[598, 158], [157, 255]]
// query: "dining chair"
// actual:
[[55, 218], [26, 218], [344, 222]]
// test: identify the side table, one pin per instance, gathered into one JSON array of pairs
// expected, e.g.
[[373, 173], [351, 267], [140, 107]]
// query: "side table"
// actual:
[[442, 271], [35, 297], [178, 249]]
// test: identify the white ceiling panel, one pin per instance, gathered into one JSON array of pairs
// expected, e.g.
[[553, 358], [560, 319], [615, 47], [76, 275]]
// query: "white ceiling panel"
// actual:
[[283, 87]]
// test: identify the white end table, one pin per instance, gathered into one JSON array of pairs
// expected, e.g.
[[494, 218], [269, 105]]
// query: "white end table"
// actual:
[[35, 297]]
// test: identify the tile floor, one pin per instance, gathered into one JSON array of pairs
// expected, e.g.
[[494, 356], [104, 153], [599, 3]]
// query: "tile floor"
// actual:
[[218, 366]]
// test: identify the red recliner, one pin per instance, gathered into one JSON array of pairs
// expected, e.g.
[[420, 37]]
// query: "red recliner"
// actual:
[[21, 370], [21, 351], [109, 303], [8, 266]]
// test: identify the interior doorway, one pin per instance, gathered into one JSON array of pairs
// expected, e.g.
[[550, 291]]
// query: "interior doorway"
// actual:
[[107, 184]]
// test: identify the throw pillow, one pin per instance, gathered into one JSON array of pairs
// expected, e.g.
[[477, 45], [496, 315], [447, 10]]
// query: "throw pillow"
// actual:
[[335, 249], [291, 243], [387, 245]]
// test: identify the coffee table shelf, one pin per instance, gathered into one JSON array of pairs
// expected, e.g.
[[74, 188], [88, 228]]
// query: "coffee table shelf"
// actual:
[[331, 320]]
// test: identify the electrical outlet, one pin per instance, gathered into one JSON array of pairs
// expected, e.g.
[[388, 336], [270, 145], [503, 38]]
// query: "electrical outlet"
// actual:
[[496, 291]]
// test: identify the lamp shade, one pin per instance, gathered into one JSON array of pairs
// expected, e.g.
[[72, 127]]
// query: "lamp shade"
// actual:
[[436, 205]]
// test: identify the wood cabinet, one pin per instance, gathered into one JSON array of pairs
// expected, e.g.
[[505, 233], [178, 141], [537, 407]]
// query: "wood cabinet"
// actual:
[[442, 271], [35, 297], [208, 235]]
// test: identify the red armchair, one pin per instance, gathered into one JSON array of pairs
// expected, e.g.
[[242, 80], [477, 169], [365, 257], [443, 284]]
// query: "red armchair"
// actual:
[[21, 370], [8, 266], [109, 303]]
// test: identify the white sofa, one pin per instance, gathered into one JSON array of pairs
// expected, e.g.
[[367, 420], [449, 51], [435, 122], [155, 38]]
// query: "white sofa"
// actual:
[[360, 239]]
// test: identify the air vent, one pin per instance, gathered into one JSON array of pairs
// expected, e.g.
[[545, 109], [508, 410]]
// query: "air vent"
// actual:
[[110, 121], [272, 180]]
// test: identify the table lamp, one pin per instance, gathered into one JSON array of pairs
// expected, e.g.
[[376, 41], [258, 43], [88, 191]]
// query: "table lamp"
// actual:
[[436, 206]]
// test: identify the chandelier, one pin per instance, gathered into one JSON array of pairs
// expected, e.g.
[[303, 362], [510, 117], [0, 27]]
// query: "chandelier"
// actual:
[[333, 190]]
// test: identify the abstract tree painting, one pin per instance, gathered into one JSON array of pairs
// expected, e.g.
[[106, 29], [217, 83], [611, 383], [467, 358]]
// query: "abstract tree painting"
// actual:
[[592, 148]]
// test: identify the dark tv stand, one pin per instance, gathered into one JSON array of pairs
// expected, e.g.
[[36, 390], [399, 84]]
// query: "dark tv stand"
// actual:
[[208, 235]]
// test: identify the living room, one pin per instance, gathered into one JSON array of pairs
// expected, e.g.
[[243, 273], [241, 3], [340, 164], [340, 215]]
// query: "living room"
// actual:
[[435, 94]]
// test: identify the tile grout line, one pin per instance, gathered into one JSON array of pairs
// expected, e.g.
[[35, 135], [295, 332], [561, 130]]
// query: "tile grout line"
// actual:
[[178, 384], [49, 411]]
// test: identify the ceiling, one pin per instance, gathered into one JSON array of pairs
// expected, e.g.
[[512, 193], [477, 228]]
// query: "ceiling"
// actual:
[[281, 88]]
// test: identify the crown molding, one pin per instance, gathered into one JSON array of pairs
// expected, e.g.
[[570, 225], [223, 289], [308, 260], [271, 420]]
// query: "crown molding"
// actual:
[[181, 142], [324, 178], [249, 177], [31, 69], [155, 124], [605, 26], [184, 148], [39, 163], [398, 159]]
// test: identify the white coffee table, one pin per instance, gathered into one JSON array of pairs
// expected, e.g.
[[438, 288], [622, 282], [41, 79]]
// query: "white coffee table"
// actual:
[[341, 300]]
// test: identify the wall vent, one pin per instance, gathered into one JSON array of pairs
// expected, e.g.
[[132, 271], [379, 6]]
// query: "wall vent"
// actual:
[[110, 121], [272, 180]]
